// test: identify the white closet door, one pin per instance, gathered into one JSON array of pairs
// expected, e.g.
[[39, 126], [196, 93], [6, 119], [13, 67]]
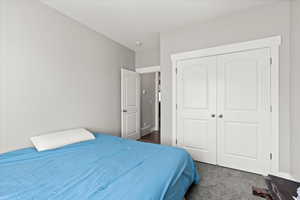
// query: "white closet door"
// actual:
[[196, 105], [244, 110]]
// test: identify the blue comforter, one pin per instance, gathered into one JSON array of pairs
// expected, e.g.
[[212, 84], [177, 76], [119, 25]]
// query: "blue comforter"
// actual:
[[108, 168]]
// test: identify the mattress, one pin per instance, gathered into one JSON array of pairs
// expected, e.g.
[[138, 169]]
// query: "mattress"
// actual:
[[108, 168]]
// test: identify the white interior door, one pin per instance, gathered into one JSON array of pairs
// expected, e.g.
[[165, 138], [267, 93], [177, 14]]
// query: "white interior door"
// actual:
[[130, 104], [196, 108], [244, 110]]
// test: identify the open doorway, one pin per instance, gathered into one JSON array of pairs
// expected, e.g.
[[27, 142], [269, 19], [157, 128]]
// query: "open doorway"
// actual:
[[150, 104]]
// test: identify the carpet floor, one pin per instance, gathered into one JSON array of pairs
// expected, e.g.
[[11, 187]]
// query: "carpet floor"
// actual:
[[219, 183]]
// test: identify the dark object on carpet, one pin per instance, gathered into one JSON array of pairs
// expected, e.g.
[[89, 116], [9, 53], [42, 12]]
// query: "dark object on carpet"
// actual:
[[278, 189], [264, 193]]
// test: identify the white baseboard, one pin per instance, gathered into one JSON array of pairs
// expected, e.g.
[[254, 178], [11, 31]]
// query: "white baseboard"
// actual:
[[285, 175], [146, 130]]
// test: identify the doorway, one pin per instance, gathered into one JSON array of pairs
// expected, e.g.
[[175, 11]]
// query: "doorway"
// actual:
[[150, 104]]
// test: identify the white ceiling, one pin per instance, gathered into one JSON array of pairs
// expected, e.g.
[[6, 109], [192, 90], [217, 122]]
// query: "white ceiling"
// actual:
[[128, 21]]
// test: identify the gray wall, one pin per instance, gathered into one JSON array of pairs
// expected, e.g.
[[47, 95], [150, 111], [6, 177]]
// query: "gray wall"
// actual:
[[252, 24], [57, 74], [146, 58], [147, 102], [295, 85], [1, 67]]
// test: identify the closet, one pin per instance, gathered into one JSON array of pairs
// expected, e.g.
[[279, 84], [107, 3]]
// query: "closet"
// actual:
[[223, 111]]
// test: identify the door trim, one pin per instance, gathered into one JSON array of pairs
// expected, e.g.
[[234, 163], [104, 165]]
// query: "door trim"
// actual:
[[273, 43], [149, 69]]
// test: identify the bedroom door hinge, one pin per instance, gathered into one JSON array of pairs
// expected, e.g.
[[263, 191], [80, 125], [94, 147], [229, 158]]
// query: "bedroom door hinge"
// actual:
[[176, 106], [176, 70], [271, 61], [271, 156], [271, 109]]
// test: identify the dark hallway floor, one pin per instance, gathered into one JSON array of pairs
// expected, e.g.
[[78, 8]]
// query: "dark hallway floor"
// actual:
[[153, 137]]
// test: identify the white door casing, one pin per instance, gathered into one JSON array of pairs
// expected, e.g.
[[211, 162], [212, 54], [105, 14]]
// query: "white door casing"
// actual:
[[130, 104], [196, 108], [243, 100]]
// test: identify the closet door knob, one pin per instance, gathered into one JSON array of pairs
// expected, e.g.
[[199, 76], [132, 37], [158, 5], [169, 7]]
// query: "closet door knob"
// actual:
[[213, 115], [220, 116]]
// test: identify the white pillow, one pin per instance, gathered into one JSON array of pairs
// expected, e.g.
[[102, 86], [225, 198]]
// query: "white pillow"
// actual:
[[60, 139]]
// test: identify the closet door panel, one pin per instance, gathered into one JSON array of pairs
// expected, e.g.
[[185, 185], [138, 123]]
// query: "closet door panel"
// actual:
[[243, 110], [196, 103]]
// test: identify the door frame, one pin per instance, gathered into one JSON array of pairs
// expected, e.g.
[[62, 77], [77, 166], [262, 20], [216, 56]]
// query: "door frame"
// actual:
[[150, 69], [273, 43], [156, 70]]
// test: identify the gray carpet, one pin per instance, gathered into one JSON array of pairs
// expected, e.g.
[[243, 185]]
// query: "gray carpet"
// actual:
[[219, 183]]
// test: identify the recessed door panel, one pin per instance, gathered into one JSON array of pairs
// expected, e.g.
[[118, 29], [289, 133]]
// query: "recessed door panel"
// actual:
[[131, 85], [195, 133], [241, 84], [240, 140], [131, 123], [195, 97]]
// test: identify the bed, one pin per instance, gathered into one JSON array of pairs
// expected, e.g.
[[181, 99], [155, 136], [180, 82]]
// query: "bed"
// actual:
[[108, 168]]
